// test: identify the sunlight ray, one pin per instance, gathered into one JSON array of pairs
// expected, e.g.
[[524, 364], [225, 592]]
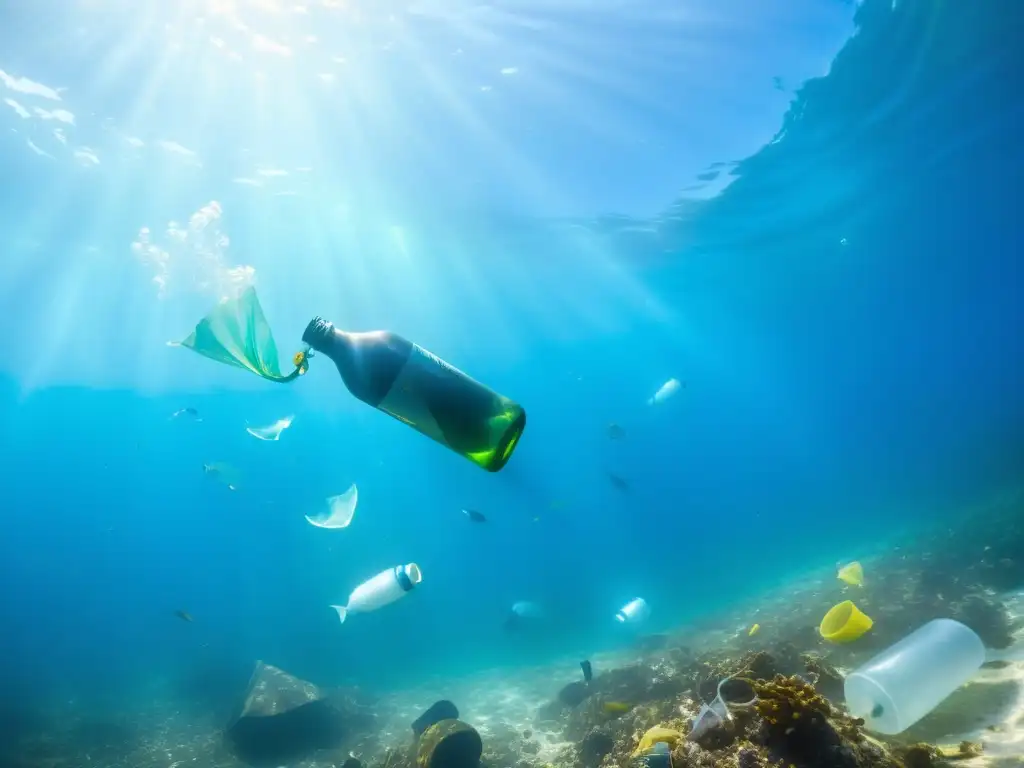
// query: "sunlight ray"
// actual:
[[529, 180], [62, 309], [552, 76]]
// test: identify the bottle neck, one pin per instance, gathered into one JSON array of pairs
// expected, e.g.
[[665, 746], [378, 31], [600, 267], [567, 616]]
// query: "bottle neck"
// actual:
[[369, 363], [323, 338], [340, 347], [320, 335]]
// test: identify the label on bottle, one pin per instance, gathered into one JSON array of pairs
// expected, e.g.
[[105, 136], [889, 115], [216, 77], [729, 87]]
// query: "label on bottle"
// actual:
[[409, 398], [448, 406]]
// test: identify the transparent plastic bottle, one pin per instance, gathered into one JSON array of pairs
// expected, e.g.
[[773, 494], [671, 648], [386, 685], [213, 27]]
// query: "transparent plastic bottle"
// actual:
[[907, 680]]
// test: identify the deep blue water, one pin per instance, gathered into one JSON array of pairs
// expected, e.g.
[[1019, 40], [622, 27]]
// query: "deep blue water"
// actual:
[[845, 313]]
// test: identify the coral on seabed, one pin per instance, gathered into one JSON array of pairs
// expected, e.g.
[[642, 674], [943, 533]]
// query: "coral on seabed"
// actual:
[[506, 748], [595, 746], [827, 680], [790, 723], [800, 727], [786, 702], [964, 750]]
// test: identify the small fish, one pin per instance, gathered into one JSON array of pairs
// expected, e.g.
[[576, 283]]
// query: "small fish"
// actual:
[[615, 432], [190, 413], [754, 630], [527, 734], [218, 471], [616, 707], [620, 483], [221, 472], [588, 671], [184, 615], [475, 516]]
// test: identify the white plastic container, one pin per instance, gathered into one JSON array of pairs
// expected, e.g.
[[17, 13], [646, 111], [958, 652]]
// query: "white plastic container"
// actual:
[[910, 678], [383, 589], [633, 612]]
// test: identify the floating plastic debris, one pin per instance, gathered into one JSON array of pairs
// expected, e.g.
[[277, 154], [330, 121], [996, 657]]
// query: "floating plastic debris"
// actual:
[[423, 392], [844, 623], [907, 680], [523, 614], [668, 389], [340, 510], [236, 332], [272, 432], [186, 414], [754, 630], [383, 589], [633, 612], [852, 574]]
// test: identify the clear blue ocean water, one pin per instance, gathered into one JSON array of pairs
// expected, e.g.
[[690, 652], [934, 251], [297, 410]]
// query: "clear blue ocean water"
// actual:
[[807, 211]]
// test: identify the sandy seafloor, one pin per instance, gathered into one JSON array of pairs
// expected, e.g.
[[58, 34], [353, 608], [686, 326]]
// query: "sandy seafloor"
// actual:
[[989, 710], [504, 704]]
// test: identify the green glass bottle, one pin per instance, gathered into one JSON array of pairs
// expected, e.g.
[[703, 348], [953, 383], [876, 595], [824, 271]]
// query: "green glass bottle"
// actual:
[[416, 387]]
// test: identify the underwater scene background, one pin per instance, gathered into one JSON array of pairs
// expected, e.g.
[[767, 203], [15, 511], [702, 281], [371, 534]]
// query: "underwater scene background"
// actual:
[[806, 213]]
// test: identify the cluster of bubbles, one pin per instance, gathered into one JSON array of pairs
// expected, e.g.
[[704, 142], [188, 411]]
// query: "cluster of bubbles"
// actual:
[[193, 257]]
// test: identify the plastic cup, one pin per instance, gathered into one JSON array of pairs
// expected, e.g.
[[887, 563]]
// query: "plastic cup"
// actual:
[[909, 679], [844, 623]]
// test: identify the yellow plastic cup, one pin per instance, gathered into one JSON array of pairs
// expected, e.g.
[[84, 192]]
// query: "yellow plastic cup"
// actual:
[[844, 623]]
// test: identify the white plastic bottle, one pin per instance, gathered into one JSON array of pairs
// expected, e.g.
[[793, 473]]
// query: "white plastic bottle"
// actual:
[[383, 589]]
